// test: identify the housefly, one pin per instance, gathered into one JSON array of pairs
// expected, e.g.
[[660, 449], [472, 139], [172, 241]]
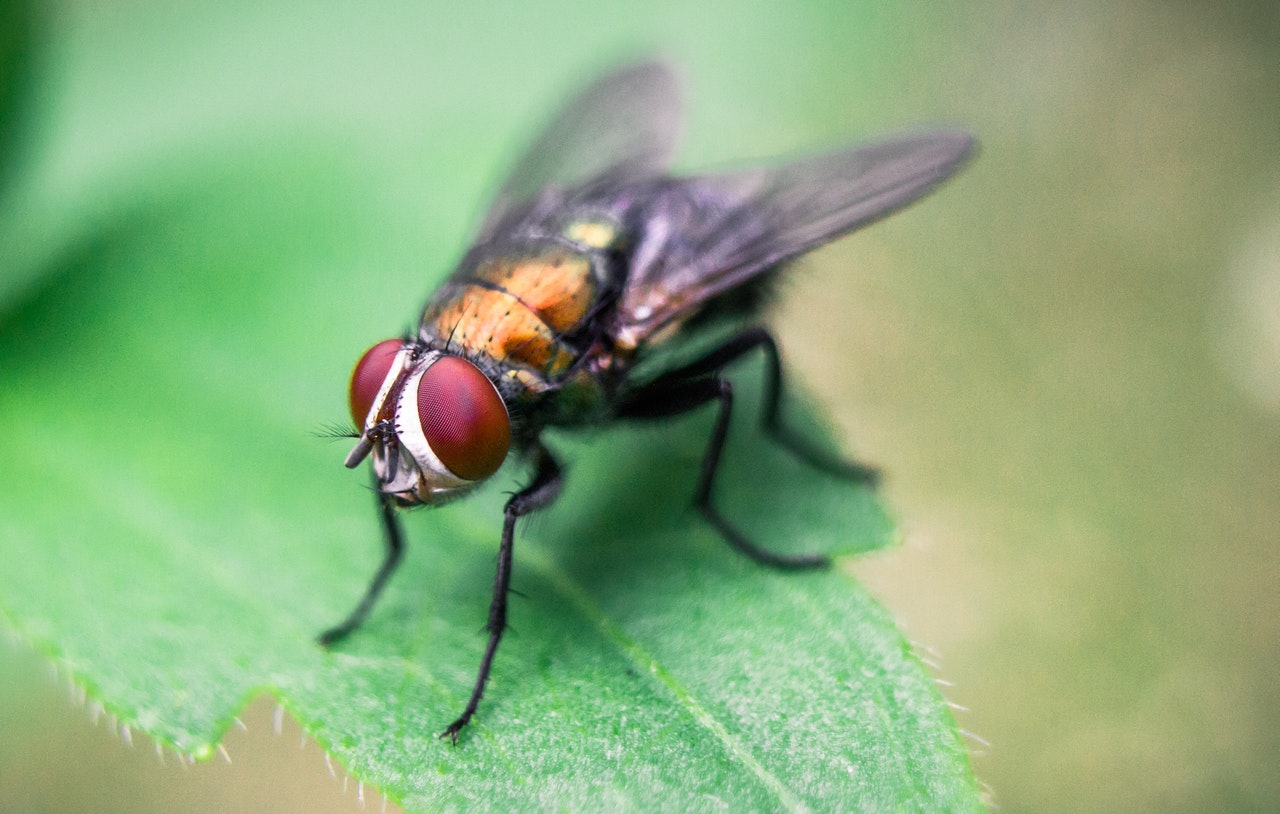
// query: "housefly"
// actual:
[[592, 257]]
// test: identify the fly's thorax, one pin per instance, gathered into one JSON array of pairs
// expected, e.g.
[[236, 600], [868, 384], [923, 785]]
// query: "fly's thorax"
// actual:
[[522, 306], [435, 424]]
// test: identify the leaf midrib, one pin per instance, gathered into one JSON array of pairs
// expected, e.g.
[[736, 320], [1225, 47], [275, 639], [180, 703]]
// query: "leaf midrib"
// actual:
[[647, 663]]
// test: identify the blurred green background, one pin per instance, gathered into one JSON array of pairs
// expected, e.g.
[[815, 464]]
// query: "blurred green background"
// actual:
[[1067, 363]]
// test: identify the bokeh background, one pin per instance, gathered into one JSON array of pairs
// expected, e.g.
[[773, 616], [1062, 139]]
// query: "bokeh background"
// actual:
[[1067, 362]]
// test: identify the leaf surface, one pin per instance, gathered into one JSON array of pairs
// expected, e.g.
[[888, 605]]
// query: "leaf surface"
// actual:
[[174, 534]]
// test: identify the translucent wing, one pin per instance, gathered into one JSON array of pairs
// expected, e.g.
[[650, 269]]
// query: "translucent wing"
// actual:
[[705, 235], [623, 127]]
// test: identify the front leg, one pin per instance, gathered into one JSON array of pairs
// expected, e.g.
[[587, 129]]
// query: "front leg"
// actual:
[[544, 488], [394, 540]]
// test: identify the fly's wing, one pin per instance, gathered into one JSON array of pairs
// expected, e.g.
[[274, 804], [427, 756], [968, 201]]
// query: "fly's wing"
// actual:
[[621, 129], [705, 235]]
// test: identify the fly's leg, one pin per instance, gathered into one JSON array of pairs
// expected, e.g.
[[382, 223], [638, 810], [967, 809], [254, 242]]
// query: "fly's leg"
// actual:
[[544, 488], [742, 344], [395, 553], [798, 445], [668, 397], [692, 385]]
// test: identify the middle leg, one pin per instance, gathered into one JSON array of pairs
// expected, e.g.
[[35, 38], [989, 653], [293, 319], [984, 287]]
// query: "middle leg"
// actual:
[[669, 397]]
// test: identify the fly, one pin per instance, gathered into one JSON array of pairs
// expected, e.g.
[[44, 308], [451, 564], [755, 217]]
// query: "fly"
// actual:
[[592, 257]]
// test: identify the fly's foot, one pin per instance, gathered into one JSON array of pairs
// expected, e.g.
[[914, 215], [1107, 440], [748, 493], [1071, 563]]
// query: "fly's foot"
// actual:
[[451, 731], [822, 460], [332, 636], [852, 471]]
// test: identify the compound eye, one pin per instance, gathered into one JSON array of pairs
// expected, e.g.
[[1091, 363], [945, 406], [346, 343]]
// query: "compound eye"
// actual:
[[367, 378], [463, 418]]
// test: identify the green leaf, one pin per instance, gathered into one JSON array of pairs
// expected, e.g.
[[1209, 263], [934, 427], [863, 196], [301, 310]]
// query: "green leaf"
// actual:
[[17, 33], [173, 331], [20, 24], [175, 537]]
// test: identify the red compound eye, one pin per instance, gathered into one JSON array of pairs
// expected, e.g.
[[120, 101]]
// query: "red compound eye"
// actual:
[[367, 378], [463, 418]]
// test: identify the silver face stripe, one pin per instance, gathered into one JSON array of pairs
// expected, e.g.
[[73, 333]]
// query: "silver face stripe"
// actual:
[[365, 445], [414, 441], [397, 364]]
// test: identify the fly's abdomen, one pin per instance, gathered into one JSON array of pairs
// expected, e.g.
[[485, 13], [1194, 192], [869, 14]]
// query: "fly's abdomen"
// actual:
[[516, 308]]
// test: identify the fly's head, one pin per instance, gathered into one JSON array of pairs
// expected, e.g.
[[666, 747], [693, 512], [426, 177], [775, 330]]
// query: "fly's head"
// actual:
[[434, 423]]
